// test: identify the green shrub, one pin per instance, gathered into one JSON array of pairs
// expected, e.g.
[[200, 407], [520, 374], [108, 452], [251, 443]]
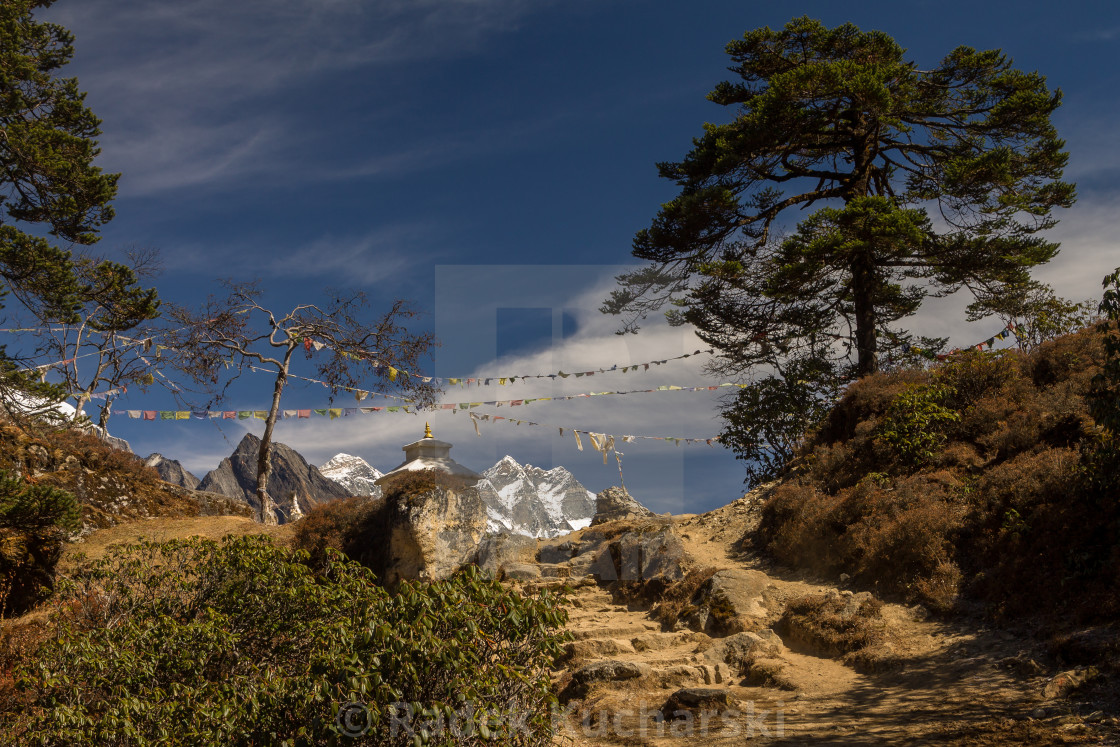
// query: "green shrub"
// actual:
[[242, 643], [35, 521], [914, 426]]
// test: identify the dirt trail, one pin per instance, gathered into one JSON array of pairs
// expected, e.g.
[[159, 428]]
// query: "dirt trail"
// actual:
[[932, 682]]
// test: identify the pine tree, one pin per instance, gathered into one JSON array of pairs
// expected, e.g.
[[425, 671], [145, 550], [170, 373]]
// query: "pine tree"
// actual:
[[925, 182]]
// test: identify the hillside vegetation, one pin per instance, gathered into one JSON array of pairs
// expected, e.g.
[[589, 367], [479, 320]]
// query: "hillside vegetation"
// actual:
[[984, 479]]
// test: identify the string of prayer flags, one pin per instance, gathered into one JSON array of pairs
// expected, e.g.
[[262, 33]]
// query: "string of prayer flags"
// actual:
[[337, 412], [310, 344], [1003, 334]]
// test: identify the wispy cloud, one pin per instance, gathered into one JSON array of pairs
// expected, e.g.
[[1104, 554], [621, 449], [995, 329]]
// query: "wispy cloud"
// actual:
[[207, 92], [1109, 33], [380, 255]]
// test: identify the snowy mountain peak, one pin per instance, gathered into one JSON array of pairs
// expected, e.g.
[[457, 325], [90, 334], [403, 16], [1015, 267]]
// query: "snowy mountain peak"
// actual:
[[528, 500], [352, 473]]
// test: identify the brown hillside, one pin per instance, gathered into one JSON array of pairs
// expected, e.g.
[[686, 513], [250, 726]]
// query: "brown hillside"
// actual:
[[112, 486], [984, 478]]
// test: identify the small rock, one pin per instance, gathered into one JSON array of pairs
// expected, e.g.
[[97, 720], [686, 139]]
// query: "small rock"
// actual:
[[602, 671], [521, 571], [1061, 685], [696, 698]]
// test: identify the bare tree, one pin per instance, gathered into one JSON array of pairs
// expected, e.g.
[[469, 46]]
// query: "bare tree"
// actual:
[[102, 345], [238, 333]]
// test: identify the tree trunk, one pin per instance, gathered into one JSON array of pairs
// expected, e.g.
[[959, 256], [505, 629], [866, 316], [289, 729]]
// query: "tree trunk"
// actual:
[[264, 458], [863, 266], [863, 288], [103, 420]]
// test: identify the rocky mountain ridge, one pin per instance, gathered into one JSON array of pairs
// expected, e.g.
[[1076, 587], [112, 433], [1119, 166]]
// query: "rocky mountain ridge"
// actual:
[[170, 470], [523, 499], [295, 486], [353, 473]]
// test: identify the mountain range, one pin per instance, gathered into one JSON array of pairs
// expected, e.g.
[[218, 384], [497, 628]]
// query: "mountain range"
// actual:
[[352, 473], [523, 499], [295, 486], [519, 499]]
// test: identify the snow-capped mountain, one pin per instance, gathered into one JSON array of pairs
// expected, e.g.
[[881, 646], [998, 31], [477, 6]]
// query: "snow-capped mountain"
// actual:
[[352, 473], [531, 501]]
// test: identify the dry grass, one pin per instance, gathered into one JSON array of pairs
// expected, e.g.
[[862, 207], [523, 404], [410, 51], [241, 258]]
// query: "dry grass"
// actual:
[[676, 602], [832, 624], [1012, 509], [164, 528]]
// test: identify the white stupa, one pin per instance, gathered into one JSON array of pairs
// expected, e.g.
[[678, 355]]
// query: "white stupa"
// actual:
[[429, 453]]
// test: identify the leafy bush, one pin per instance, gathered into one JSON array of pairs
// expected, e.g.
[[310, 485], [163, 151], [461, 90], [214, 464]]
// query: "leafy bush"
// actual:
[[242, 643], [768, 419], [35, 521], [915, 423]]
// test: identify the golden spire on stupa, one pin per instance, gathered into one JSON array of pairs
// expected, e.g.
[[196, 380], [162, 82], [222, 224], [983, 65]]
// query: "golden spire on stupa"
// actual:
[[428, 431]]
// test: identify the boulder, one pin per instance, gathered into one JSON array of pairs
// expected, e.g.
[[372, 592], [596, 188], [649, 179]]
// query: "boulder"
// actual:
[[739, 649], [602, 671], [433, 534], [691, 699], [1061, 685], [595, 647], [521, 571], [641, 556], [734, 601], [495, 551], [616, 503]]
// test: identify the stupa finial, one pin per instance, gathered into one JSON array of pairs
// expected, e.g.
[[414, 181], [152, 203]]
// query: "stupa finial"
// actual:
[[428, 431]]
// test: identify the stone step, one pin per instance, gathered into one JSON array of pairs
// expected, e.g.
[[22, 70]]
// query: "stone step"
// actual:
[[606, 671], [613, 631], [658, 641]]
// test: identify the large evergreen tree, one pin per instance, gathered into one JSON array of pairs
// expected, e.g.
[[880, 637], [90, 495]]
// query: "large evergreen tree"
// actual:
[[50, 189], [926, 182], [47, 148]]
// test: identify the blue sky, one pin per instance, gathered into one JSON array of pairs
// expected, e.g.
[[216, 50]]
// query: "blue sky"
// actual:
[[499, 155]]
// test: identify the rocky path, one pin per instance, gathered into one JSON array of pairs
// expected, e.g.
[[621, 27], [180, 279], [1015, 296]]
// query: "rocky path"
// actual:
[[630, 680]]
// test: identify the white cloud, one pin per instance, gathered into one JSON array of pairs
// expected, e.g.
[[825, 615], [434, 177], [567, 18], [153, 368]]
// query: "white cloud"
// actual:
[[208, 91], [656, 471]]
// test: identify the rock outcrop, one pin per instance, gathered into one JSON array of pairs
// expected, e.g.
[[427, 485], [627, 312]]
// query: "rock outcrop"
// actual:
[[170, 470], [616, 503], [295, 485], [431, 535]]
